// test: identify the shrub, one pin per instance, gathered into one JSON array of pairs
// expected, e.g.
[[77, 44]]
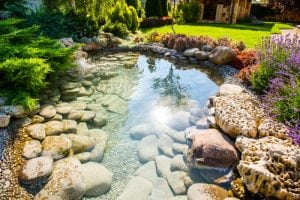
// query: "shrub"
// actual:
[[156, 22], [246, 73], [28, 62], [154, 37], [156, 8], [190, 11], [121, 18], [244, 59]]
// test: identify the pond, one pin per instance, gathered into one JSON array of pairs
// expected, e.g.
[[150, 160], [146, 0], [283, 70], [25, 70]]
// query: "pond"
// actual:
[[146, 105]]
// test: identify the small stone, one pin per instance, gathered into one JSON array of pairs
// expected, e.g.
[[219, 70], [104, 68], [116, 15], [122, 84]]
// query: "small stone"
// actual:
[[37, 119], [163, 166], [87, 116], [206, 48], [54, 128], [148, 171], [81, 143], [165, 144], [161, 190], [32, 149], [201, 55], [180, 148], [47, 111], [4, 120], [190, 52], [78, 105], [63, 108], [100, 119], [36, 168], [86, 83], [176, 182], [36, 131], [56, 146], [70, 126], [75, 114]]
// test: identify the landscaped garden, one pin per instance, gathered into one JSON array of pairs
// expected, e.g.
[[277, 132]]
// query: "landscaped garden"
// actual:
[[149, 100]]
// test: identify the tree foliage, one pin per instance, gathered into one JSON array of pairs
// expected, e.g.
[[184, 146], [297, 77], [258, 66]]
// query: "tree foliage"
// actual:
[[156, 8]]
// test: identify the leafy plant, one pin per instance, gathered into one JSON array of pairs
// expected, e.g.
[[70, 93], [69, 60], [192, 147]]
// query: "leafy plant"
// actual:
[[190, 11]]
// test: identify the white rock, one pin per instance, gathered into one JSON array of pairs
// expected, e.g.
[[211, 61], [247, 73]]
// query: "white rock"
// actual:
[[180, 148], [148, 148], [161, 190], [87, 116], [97, 178], [228, 89], [32, 149], [176, 182], [148, 171], [163, 165], [142, 130], [178, 164], [137, 188], [165, 144]]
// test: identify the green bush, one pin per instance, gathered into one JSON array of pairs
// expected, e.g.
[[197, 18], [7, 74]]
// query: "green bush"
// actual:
[[190, 11], [28, 61], [29, 73], [121, 19], [156, 8]]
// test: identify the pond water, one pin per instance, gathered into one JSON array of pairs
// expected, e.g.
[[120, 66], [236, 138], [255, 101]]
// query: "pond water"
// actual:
[[142, 94]]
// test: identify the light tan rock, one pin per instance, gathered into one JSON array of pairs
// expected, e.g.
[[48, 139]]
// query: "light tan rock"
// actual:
[[54, 128], [205, 191], [270, 166], [56, 146], [36, 131], [222, 55], [47, 111], [32, 149]]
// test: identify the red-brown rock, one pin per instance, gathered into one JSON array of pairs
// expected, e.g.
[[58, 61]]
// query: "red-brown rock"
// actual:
[[212, 148]]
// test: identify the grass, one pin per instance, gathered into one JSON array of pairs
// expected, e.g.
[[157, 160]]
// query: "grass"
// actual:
[[248, 33]]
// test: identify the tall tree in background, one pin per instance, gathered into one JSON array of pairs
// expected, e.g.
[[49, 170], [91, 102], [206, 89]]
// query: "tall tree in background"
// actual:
[[156, 8], [280, 6]]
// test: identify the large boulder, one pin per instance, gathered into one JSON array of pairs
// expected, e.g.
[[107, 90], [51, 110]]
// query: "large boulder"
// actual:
[[206, 191], [269, 166], [222, 55], [35, 169], [97, 178], [137, 188], [36, 131], [66, 182], [148, 148], [32, 149], [213, 149], [56, 146]]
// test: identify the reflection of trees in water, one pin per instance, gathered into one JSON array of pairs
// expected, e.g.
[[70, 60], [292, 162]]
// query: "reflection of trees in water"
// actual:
[[171, 87]]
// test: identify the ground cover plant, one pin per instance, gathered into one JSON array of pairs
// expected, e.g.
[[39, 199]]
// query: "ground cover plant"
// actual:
[[278, 80], [28, 62], [248, 33]]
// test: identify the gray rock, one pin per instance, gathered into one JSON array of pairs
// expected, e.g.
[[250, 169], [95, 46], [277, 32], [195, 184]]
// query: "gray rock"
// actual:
[[180, 148], [32, 149], [4, 120], [142, 130], [176, 182], [165, 144], [54, 128], [161, 190], [206, 191], [87, 83], [63, 108], [163, 166], [190, 52], [206, 48], [100, 119], [202, 123], [66, 181], [47, 111], [70, 126], [36, 169], [97, 178], [148, 148], [36, 131], [178, 164], [137, 188], [100, 137], [67, 42], [222, 55], [96, 107], [81, 143], [13, 111], [148, 171], [56, 146], [201, 55]]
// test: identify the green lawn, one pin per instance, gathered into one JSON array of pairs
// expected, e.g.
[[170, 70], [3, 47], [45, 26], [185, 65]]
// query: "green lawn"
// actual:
[[248, 33]]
